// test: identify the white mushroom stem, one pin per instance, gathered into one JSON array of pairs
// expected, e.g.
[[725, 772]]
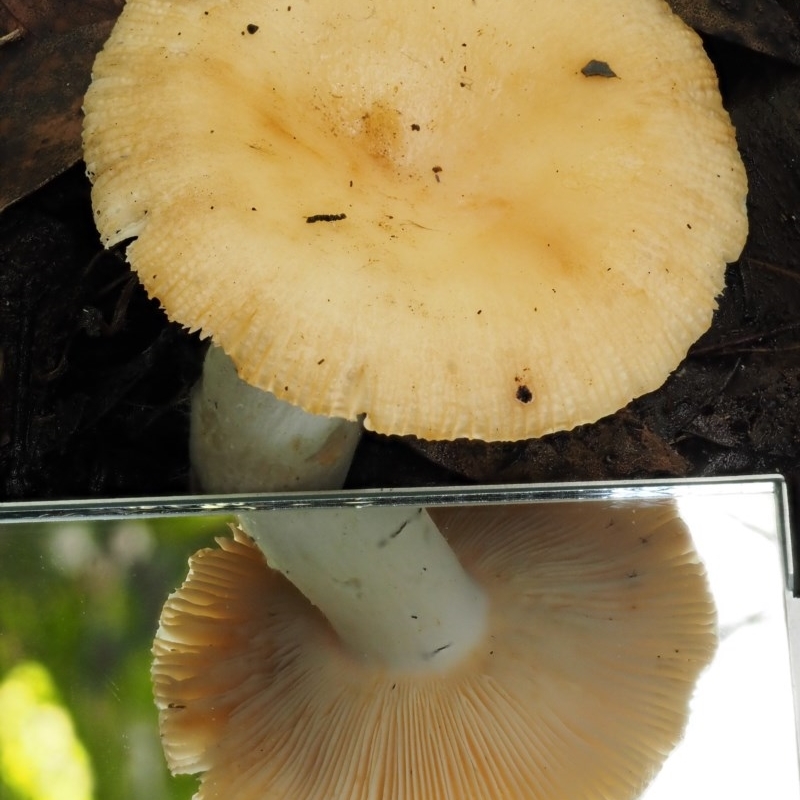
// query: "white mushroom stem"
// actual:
[[385, 578], [246, 440]]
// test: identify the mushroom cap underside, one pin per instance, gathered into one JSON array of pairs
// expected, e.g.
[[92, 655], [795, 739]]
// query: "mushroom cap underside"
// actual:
[[439, 216], [600, 625]]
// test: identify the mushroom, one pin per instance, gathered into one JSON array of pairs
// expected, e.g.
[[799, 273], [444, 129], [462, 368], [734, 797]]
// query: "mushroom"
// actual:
[[448, 220], [243, 439], [588, 624], [453, 219]]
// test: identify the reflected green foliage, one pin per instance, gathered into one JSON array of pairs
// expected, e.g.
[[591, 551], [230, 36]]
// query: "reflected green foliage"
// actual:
[[41, 758], [79, 605]]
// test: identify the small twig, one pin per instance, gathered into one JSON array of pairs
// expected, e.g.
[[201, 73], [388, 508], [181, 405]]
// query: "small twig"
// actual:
[[118, 318], [765, 350], [735, 345], [12, 36], [731, 375], [779, 270]]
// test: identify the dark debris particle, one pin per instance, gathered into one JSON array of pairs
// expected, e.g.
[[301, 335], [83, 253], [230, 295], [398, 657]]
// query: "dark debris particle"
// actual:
[[598, 69], [524, 394], [326, 217], [252, 28], [429, 656], [414, 126]]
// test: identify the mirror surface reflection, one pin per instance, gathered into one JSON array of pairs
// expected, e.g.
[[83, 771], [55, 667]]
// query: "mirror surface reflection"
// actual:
[[80, 601]]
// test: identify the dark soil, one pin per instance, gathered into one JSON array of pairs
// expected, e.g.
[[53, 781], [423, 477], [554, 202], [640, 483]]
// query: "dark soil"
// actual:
[[94, 382]]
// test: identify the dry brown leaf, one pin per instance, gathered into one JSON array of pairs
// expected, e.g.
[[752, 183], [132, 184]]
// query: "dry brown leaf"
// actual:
[[42, 17], [766, 26], [47, 48]]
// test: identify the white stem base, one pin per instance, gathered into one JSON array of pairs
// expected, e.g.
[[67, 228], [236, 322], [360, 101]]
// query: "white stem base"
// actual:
[[385, 578], [246, 440]]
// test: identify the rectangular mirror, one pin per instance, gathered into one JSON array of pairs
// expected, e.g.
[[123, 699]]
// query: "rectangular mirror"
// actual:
[[82, 585]]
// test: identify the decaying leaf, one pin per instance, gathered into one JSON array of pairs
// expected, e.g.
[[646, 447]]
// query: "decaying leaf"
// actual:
[[43, 17], [46, 52], [766, 26]]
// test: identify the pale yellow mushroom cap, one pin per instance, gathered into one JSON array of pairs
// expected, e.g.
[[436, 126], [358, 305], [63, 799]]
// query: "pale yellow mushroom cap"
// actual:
[[504, 246], [600, 622]]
